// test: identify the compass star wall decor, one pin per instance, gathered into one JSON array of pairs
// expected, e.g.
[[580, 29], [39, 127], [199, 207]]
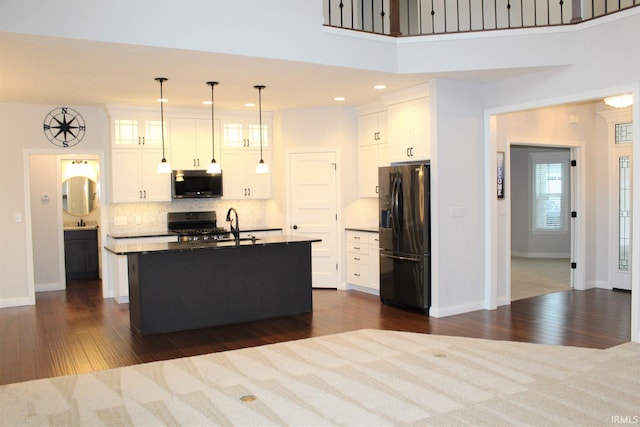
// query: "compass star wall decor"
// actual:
[[64, 127]]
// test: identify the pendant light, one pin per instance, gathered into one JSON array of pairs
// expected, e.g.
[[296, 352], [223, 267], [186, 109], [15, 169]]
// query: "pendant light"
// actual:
[[214, 168], [261, 167], [164, 166]]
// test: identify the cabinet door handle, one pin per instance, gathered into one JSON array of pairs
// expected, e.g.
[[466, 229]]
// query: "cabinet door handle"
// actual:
[[357, 248], [377, 189], [356, 274], [143, 141], [140, 195], [248, 191], [145, 193], [356, 258]]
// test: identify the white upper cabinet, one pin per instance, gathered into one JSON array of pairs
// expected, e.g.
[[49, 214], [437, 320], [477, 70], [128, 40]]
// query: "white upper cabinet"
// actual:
[[409, 130], [134, 176], [373, 151], [136, 141], [372, 128], [191, 143], [239, 177], [244, 133]]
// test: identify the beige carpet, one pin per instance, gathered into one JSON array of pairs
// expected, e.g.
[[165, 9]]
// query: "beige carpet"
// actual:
[[366, 378], [531, 277]]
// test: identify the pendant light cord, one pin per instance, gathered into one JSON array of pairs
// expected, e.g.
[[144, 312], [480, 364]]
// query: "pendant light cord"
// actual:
[[161, 80]]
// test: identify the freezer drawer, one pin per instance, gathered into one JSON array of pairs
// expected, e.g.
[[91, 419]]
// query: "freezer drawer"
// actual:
[[404, 280]]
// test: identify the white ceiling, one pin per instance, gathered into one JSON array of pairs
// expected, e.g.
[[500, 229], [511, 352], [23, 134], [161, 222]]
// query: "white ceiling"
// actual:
[[46, 70]]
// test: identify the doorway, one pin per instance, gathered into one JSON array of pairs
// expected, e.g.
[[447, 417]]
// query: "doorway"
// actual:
[[541, 231], [50, 177]]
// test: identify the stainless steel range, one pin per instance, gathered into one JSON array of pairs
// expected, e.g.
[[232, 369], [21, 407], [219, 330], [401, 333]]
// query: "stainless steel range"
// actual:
[[195, 226]]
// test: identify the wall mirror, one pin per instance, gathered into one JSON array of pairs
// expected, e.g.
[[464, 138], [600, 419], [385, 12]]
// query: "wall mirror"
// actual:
[[79, 195]]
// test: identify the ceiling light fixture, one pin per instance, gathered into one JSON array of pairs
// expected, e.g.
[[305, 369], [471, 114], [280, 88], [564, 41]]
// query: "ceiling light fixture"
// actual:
[[620, 101], [214, 168], [164, 166], [339, 98], [380, 87], [261, 167]]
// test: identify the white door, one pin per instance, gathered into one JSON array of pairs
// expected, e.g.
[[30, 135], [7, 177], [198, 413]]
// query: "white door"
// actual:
[[312, 181], [620, 240]]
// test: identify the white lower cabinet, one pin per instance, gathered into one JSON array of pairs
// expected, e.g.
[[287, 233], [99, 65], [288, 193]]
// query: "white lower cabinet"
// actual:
[[118, 264], [363, 264]]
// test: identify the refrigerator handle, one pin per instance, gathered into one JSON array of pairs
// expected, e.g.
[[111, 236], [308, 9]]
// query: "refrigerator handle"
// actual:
[[403, 258], [397, 204], [394, 204]]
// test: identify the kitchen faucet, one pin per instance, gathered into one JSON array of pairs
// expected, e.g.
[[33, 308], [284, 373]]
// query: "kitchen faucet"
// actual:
[[234, 230]]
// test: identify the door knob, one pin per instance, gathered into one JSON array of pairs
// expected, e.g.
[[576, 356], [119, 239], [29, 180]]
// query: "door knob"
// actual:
[[295, 227]]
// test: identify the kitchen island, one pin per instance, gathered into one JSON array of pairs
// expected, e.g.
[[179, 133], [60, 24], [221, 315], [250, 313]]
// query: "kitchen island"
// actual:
[[176, 286]]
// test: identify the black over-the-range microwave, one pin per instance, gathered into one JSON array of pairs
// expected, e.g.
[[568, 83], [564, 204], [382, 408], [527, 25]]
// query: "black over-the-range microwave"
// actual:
[[194, 184]]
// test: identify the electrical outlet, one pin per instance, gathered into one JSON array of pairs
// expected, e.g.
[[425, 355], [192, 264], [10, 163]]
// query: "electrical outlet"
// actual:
[[138, 220]]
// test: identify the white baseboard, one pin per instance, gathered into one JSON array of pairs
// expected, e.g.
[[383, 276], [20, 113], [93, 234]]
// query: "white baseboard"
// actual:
[[122, 299], [15, 302], [46, 287], [363, 289], [455, 309]]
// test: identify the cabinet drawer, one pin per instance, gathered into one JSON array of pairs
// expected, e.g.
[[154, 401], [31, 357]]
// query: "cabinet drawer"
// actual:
[[357, 237], [357, 274], [359, 258], [358, 247]]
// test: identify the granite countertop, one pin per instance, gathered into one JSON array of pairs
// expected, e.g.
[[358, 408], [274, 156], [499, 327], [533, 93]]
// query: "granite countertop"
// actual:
[[72, 226], [197, 245], [365, 229], [133, 235]]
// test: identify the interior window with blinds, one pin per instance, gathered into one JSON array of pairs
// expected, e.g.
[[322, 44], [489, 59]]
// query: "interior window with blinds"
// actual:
[[550, 191]]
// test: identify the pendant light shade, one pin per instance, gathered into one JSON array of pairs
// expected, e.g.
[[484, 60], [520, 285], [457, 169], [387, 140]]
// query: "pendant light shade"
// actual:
[[214, 167], [164, 166], [261, 167]]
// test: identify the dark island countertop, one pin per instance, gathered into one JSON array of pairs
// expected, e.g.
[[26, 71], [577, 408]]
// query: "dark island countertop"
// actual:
[[135, 235], [198, 245]]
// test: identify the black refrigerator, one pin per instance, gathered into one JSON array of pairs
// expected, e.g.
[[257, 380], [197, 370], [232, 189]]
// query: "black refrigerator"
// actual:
[[405, 235]]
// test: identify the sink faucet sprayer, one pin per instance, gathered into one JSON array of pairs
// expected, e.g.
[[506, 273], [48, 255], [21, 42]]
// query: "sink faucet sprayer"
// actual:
[[234, 230]]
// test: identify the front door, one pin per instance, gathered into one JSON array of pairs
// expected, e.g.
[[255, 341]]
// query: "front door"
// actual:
[[312, 181], [620, 241]]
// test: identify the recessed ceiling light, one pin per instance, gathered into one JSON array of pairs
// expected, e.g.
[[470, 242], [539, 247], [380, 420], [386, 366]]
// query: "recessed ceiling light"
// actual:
[[162, 100], [339, 98], [249, 104], [380, 87], [207, 102]]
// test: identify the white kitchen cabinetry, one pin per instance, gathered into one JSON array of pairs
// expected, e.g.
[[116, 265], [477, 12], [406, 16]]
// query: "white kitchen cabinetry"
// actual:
[[241, 133], [136, 151], [241, 154], [118, 264], [409, 131], [191, 143], [363, 264], [240, 180], [373, 151], [134, 176]]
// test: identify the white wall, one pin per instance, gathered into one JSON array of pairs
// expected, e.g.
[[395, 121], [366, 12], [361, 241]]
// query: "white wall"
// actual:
[[457, 163], [44, 221], [22, 136]]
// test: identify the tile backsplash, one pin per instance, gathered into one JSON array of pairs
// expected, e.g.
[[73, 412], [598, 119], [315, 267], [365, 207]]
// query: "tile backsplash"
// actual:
[[152, 217]]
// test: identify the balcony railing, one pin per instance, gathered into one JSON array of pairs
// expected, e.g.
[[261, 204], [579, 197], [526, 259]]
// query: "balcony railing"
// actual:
[[422, 17]]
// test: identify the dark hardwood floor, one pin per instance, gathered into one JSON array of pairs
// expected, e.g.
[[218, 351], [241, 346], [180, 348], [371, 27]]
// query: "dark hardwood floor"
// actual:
[[76, 330]]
